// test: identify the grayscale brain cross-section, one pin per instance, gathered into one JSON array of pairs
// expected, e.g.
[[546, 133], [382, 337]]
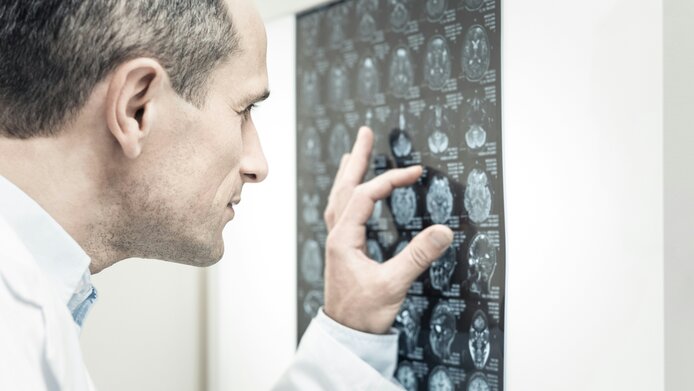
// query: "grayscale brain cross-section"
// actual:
[[425, 76]]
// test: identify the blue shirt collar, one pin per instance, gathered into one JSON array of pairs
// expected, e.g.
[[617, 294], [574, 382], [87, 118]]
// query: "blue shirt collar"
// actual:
[[54, 250]]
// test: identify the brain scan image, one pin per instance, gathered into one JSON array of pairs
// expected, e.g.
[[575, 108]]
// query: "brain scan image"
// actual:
[[368, 81], [309, 33], [406, 376], [437, 63], [476, 53], [403, 204], [442, 269], [479, 342], [442, 330], [399, 15], [439, 125], [478, 382], [475, 137], [367, 24], [408, 322], [340, 143], [337, 19], [338, 84], [440, 380], [436, 9], [473, 5], [374, 251], [439, 200], [310, 91], [311, 147], [478, 196], [311, 214], [312, 303], [477, 116], [481, 264], [401, 72], [312, 262], [400, 142], [376, 213]]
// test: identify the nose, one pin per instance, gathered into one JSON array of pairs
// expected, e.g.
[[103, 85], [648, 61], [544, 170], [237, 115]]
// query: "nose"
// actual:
[[254, 166]]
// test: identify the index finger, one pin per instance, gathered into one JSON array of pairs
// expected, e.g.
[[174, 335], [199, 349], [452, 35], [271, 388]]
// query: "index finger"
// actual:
[[358, 162], [361, 204]]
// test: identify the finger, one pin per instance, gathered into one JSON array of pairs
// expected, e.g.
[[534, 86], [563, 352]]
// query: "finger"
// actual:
[[341, 169], [359, 158], [422, 251], [361, 204]]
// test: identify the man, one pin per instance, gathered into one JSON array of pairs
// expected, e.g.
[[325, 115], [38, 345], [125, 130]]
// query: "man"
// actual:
[[126, 131]]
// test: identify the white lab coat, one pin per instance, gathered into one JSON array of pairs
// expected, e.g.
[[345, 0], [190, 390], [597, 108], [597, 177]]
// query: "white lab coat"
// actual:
[[39, 340]]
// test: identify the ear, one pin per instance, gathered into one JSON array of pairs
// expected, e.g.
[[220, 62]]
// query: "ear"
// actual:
[[130, 103]]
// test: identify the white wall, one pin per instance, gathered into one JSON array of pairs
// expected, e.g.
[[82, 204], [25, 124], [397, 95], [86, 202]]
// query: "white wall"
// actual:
[[679, 194], [146, 330], [582, 96], [583, 151], [253, 288]]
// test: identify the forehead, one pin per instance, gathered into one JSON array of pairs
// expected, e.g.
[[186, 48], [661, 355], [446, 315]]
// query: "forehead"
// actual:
[[246, 71]]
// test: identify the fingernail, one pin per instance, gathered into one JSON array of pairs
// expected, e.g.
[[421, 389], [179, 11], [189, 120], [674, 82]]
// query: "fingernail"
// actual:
[[442, 238]]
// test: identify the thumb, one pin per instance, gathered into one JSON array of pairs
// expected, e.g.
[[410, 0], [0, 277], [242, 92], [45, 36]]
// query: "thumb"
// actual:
[[419, 254]]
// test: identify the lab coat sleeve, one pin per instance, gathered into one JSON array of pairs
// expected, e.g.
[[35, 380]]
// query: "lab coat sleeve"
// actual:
[[334, 357]]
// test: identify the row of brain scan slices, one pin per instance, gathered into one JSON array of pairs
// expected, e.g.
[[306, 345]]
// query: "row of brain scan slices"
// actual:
[[338, 19], [481, 264], [442, 332], [435, 129], [437, 72]]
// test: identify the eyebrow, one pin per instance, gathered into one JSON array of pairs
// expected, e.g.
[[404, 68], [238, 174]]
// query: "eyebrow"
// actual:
[[256, 98]]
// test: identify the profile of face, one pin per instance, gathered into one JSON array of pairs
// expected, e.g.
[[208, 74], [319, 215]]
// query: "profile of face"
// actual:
[[442, 330], [185, 165], [479, 340], [408, 322], [481, 264], [442, 269]]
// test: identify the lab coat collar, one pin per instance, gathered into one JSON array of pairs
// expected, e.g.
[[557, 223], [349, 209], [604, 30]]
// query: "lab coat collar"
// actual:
[[55, 251]]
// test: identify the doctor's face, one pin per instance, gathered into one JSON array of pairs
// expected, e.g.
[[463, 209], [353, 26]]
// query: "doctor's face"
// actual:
[[176, 200]]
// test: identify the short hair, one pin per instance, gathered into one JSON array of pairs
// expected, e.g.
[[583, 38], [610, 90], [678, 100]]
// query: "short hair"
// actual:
[[54, 52]]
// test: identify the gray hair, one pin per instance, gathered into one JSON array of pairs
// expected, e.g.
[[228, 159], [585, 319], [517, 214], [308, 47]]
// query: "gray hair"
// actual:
[[54, 52]]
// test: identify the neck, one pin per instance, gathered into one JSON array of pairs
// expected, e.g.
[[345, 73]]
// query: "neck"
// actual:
[[63, 177]]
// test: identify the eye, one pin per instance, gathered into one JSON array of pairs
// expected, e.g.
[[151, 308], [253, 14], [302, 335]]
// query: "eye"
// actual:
[[246, 113]]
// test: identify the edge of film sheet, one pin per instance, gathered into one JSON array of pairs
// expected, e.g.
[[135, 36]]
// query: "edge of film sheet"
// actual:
[[425, 75]]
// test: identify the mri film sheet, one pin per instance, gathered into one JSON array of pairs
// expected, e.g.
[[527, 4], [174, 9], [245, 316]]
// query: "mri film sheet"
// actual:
[[424, 75]]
